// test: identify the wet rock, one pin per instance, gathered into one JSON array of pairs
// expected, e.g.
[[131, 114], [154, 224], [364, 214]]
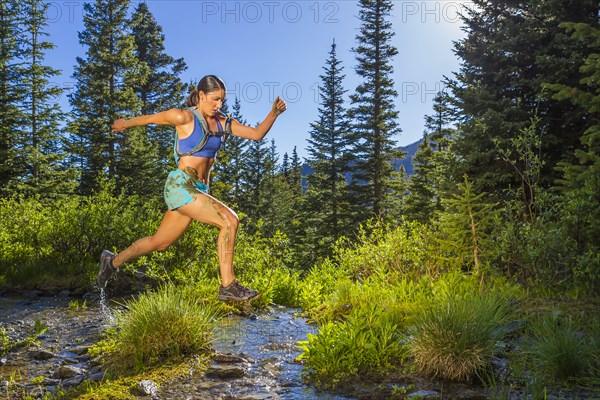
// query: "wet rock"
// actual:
[[69, 361], [254, 396], [67, 371], [42, 354], [147, 387], [468, 394], [91, 296], [500, 365], [66, 354], [84, 358], [225, 372], [424, 394], [74, 381], [32, 294], [97, 377], [63, 293], [211, 385], [78, 291], [228, 358], [51, 381]]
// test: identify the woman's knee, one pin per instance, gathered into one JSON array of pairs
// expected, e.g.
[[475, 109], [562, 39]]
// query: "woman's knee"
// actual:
[[232, 221], [160, 244]]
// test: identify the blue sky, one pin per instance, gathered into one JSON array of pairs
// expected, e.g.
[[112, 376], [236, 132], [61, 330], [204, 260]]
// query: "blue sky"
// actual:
[[263, 49]]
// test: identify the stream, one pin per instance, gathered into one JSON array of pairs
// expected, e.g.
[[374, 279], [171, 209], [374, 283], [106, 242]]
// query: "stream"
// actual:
[[255, 355]]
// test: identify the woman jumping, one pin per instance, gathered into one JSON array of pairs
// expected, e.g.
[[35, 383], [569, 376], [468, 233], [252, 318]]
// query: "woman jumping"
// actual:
[[201, 130]]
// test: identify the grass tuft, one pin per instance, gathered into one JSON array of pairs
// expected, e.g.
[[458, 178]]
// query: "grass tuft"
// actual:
[[557, 349], [162, 326], [454, 338]]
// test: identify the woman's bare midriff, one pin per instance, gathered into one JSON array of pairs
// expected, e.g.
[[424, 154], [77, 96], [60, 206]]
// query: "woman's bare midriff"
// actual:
[[197, 167]]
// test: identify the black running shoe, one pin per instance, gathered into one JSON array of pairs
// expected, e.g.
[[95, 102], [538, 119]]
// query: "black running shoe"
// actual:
[[106, 268], [235, 291]]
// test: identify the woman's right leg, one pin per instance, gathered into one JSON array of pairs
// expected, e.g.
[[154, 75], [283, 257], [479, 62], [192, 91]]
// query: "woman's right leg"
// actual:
[[171, 228]]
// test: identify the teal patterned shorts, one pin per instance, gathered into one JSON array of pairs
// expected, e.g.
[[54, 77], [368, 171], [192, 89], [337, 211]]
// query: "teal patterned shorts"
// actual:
[[181, 189]]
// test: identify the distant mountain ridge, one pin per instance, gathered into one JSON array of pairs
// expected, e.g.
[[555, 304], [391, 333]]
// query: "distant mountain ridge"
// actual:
[[406, 162]]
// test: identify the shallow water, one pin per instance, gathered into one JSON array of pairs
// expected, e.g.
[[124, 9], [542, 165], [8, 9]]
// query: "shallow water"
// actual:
[[267, 342]]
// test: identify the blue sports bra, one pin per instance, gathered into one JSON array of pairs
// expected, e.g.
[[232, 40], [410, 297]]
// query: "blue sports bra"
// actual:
[[202, 142], [212, 146]]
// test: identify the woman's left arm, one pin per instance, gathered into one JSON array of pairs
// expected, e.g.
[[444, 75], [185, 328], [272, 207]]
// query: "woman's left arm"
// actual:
[[248, 132]]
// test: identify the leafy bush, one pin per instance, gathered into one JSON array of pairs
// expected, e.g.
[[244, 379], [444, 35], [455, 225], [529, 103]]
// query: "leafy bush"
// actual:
[[319, 284], [368, 342], [406, 249], [44, 244], [454, 338]]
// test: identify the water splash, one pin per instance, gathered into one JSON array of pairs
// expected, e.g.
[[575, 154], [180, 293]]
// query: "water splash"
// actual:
[[107, 314]]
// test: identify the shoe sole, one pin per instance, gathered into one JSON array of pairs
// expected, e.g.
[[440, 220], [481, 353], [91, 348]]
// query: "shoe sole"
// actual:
[[229, 298]]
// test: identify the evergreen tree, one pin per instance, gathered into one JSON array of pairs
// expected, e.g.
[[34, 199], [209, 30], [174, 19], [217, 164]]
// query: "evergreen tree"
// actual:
[[227, 182], [421, 202], [11, 94], [438, 124], [41, 154], [295, 174], [285, 166], [375, 184], [253, 178], [328, 146], [105, 91], [270, 210], [510, 51], [581, 179], [162, 89], [465, 225], [440, 158]]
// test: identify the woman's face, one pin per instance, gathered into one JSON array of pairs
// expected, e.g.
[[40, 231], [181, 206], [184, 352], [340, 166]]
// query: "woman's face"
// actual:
[[211, 102]]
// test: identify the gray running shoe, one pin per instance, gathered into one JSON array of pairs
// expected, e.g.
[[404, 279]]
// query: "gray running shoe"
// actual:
[[106, 268], [235, 291]]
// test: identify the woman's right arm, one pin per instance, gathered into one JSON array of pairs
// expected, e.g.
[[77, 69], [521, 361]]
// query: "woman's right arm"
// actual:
[[173, 116]]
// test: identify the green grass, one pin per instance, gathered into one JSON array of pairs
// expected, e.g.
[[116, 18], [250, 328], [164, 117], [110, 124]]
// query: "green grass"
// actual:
[[558, 350], [162, 326], [454, 338]]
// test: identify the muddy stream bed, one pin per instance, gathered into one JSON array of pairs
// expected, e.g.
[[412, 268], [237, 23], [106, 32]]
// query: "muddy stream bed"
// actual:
[[255, 354]]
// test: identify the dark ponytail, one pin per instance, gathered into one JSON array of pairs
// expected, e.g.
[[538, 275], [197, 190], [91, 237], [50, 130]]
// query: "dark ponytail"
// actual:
[[207, 84]]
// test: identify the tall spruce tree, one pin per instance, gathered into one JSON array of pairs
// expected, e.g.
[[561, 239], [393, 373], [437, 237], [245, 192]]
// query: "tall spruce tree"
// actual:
[[253, 177], [511, 49], [441, 132], [104, 91], [270, 210], [581, 179], [421, 202], [230, 169], [375, 183], [163, 88], [326, 196], [295, 174], [11, 94], [40, 149]]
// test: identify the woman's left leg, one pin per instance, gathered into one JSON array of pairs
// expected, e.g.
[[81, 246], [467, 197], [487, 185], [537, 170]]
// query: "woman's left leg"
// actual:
[[210, 210]]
